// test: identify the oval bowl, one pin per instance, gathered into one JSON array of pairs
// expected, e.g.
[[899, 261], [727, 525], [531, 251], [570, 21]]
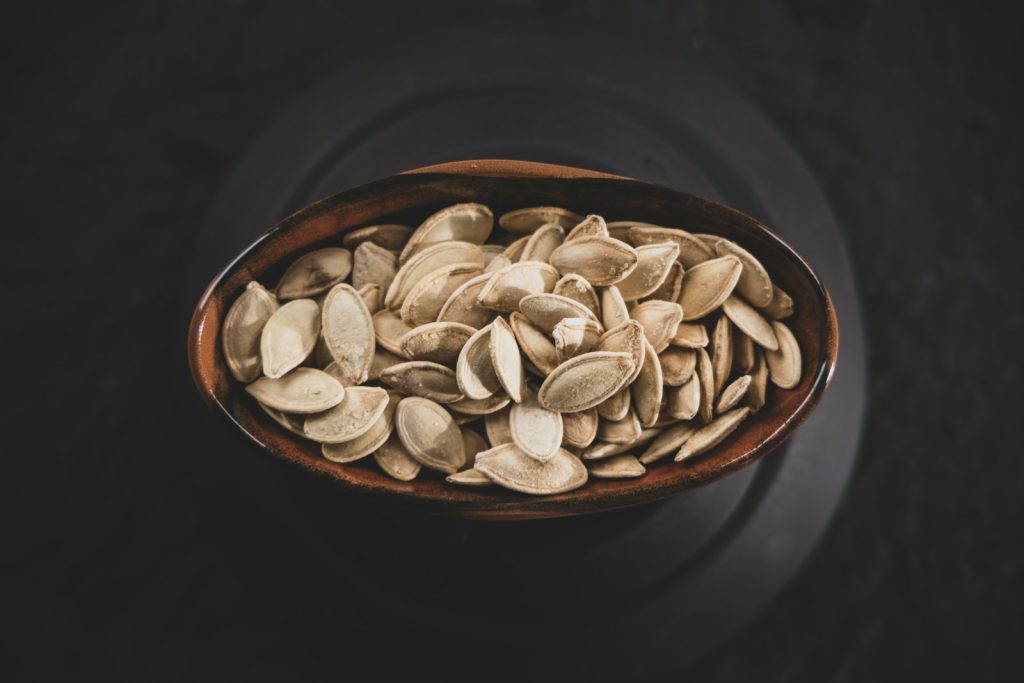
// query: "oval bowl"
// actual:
[[505, 185]]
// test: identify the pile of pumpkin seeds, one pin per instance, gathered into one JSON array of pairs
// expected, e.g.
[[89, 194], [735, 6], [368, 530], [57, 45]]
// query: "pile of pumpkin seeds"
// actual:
[[556, 348]]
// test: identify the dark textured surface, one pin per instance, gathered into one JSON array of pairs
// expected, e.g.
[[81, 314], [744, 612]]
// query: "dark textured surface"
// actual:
[[124, 560]]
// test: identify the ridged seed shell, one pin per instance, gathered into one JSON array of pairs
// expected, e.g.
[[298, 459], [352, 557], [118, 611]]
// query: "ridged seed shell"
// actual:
[[302, 391], [508, 286], [710, 435], [531, 218], [585, 381], [353, 417], [460, 223], [314, 273], [785, 364], [349, 333], [289, 336], [708, 284], [617, 467], [601, 260], [536, 430], [436, 342], [750, 322], [243, 326], [654, 262], [509, 467], [430, 435], [424, 379], [754, 284]]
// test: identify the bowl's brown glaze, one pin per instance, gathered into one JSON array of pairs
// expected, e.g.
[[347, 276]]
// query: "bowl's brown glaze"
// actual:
[[504, 185]]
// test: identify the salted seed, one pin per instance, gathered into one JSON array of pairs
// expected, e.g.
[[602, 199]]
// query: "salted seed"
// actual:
[[372, 296], [426, 261], [430, 435], [293, 423], [542, 242], [617, 467], [389, 329], [471, 477], [754, 284], [750, 322], [497, 427], [424, 302], [536, 430], [574, 336], [659, 319], [474, 369], [425, 379], [684, 401], [314, 273], [303, 391], [671, 439], [481, 406], [508, 466], [373, 439], [691, 249], [472, 443], [629, 338], [710, 435], [395, 460], [529, 219], [600, 449], [240, 334], [577, 288], [758, 382], [690, 336], [462, 306], [373, 264], [626, 430], [390, 236], [505, 358], [732, 394], [585, 381], [784, 365], [546, 310], [721, 352], [654, 262], [614, 310], [353, 417], [648, 388], [509, 285], [436, 342], [289, 336], [348, 330], [535, 344], [671, 287], [514, 250], [461, 223], [706, 285], [601, 260], [382, 360], [780, 307], [616, 406], [706, 375], [742, 352], [591, 226], [579, 429], [677, 365]]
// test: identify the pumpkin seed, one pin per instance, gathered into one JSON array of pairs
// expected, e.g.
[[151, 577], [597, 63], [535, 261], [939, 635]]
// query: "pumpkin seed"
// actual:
[[547, 310], [706, 375], [721, 352], [754, 284], [430, 435], [654, 261], [617, 467], [742, 352], [509, 285], [659, 319], [620, 230], [481, 406], [691, 249], [474, 369], [780, 307], [289, 336], [614, 310], [535, 344], [690, 336], [542, 242], [579, 429], [578, 289], [243, 326], [425, 379], [389, 329], [784, 364], [600, 449], [472, 443], [348, 330], [373, 439], [424, 302], [529, 219], [585, 381], [426, 261], [462, 223], [314, 273], [508, 466], [372, 296], [293, 423], [382, 360], [708, 284], [536, 430], [648, 388], [462, 306], [303, 391], [601, 260], [390, 236], [436, 342], [395, 460], [491, 251], [505, 358], [758, 383], [671, 439], [471, 477], [373, 265], [497, 263], [732, 394], [616, 406], [750, 322], [712, 434], [626, 430], [677, 365], [514, 251], [684, 401], [671, 287], [574, 336], [353, 417], [628, 338], [498, 428], [591, 226]]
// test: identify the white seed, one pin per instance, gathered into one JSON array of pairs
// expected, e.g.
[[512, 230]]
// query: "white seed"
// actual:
[[462, 222], [677, 365], [462, 306], [390, 236], [436, 342], [601, 260], [430, 435], [348, 330], [691, 249], [474, 369], [671, 439], [535, 344], [529, 219], [389, 329], [585, 381], [654, 262], [395, 460], [617, 467], [426, 261], [577, 288], [659, 319], [353, 417], [547, 310], [710, 435], [536, 430], [542, 242], [508, 286], [243, 325], [784, 364], [303, 391], [648, 388], [424, 302], [508, 466], [579, 429], [373, 265], [750, 322], [314, 273], [289, 336], [591, 226], [732, 394], [425, 379], [505, 359], [614, 310], [754, 284], [708, 284]]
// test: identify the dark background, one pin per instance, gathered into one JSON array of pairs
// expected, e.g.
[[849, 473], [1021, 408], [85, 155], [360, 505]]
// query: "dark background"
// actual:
[[122, 552]]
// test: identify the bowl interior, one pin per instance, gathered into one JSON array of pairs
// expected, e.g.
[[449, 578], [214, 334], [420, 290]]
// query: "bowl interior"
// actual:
[[408, 198]]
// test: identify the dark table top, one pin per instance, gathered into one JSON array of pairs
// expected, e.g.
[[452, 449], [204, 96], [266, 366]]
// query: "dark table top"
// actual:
[[121, 124]]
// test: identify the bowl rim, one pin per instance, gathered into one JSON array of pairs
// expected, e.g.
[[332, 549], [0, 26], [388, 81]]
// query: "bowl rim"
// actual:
[[523, 507]]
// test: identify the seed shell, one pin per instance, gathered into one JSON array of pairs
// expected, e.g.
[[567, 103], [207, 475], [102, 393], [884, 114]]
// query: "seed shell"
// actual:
[[585, 381], [784, 365], [303, 391], [353, 417], [348, 330], [708, 284], [289, 336], [536, 430], [430, 435], [712, 434], [243, 326], [601, 260], [508, 466], [314, 273], [529, 219], [425, 379], [617, 467]]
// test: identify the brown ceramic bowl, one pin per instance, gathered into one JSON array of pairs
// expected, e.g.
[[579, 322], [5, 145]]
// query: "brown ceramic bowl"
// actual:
[[505, 185]]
